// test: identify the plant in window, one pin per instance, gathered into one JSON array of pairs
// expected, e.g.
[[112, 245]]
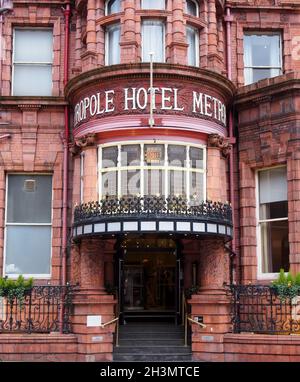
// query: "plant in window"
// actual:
[[287, 286], [15, 289]]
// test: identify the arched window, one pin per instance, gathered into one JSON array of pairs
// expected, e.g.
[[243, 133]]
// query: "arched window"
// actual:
[[153, 4], [192, 8], [192, 37], [112, 42], [112, 6]]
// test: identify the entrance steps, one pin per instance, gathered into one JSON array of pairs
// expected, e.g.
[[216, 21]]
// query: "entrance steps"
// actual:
[[151, 341]]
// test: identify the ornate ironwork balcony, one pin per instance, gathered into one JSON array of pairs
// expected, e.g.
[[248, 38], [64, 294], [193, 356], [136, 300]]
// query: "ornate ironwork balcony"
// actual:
[[152, 214], [38, 312], [258, 309]]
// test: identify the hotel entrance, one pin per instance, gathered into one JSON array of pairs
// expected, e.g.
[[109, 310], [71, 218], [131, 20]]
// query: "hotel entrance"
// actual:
[[149, 279]]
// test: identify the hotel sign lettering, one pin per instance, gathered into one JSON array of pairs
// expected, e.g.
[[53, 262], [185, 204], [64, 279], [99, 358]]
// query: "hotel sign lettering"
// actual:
[[165, 99]]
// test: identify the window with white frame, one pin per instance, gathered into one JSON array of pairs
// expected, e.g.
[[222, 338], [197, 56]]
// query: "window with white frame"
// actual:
[[81, 176], [28, 225], [262, 56], [159, 169], [273, 220], [32, 62], [112, 6], [153, 4], [192, 37], [192, 8], [113, 52], [153, 40]]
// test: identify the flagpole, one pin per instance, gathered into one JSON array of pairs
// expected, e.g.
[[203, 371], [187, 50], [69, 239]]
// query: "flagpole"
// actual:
[[151, 119]]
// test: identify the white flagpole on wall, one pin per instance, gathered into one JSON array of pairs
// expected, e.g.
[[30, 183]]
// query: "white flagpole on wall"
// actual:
[[151, 119]]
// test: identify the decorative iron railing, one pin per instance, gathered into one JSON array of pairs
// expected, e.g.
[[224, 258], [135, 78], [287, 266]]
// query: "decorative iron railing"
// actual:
[[39, 311], [152, 206], [258, 309]]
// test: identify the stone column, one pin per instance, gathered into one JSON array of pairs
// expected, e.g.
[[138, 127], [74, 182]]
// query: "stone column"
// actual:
[[128, 37], [216, 169], [212, 34], [211, 302], [89, 59], [90, 174], [94, 343], [179, 46]]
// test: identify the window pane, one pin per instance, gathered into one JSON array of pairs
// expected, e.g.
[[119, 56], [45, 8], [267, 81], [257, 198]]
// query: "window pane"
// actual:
[[28, 250], [33, 45], [191, 40], [177, 182], [177, 155], [196, 157], [130, 182], [196, 187], [154, 182], [109, 184], [153, 4], [154, 155], [109, 156], [153, 40], [113, 41], [191, 8], [260, 74], [113, 6], [32, 80], [131, 155], [274, 246], [272, 185], [29, 199], [274, 210], [259, 51]]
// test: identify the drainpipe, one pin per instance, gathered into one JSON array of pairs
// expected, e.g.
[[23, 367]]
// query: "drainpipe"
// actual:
[[67, 12], [228, 19]]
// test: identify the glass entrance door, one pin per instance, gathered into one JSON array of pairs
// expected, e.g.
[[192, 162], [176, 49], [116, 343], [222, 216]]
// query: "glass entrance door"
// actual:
[[149, 281]]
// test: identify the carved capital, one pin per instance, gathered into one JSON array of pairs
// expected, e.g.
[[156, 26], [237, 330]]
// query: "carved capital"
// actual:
[[215, 140], [86, 140]]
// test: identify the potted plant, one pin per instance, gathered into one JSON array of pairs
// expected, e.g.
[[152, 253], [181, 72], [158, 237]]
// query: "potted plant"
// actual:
[[15, 289], [287, 286]]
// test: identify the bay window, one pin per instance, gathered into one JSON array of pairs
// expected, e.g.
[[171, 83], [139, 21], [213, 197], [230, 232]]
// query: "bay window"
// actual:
[[157, 169]]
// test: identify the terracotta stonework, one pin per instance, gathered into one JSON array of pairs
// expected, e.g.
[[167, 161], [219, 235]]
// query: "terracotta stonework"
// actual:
[[260, 129]]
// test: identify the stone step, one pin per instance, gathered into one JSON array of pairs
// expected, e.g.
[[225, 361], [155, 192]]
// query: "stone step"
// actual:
[[150, 342], [149, 329], [150, 336], [128, 357], [158, 349]]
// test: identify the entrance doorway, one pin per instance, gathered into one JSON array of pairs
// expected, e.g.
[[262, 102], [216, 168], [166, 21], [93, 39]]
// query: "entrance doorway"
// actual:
[[149, 278]]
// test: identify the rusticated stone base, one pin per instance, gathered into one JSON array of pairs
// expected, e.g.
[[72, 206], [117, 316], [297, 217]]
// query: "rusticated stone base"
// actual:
[[94, 343], [214, 307], [52, 347], [261, 348]]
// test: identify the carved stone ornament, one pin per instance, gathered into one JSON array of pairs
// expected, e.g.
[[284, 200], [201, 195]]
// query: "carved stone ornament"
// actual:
[[87, 140], [215, 140]]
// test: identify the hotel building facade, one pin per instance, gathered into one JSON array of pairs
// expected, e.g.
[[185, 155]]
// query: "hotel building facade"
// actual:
[[149, 178]]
